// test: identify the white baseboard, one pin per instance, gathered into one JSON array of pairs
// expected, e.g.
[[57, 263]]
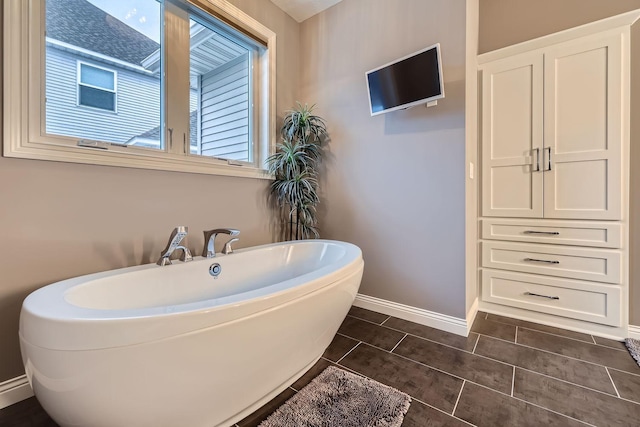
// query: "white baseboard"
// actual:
[[14, 390], [471, 315], [451, 324], [634, 332]]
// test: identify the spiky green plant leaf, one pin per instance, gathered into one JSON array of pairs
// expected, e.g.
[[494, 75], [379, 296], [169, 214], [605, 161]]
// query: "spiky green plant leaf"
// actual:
[[294, 191]]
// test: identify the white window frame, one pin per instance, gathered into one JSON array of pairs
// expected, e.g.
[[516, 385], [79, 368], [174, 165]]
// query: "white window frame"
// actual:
[[24, 95], [114, 91]]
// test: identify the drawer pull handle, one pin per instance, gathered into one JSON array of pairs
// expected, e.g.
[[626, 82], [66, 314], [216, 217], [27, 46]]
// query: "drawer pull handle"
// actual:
[[553, 233], [539, 295], [541, 260]]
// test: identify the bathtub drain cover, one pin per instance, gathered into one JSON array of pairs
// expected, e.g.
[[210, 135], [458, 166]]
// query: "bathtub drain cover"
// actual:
[[215, 269]]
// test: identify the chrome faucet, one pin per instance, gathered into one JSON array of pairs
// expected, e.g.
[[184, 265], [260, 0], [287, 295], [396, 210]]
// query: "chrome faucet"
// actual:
[[209, 249], [176, 237]]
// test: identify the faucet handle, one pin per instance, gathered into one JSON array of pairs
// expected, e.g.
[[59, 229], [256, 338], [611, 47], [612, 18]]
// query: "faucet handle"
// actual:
[[227, 246]]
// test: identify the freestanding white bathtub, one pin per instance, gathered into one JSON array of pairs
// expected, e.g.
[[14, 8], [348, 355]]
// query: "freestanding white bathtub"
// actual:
[[174, 346]]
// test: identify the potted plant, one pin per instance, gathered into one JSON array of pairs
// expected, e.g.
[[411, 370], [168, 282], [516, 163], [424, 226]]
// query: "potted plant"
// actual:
[[294, 191]]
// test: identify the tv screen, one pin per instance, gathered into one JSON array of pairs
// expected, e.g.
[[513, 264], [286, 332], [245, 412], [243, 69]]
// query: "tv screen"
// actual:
[[406, 82]]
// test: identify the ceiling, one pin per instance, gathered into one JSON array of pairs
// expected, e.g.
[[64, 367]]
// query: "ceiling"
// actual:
[[303, 9]]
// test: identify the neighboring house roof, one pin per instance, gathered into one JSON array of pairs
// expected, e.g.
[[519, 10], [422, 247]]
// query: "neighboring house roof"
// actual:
[[82, 24]]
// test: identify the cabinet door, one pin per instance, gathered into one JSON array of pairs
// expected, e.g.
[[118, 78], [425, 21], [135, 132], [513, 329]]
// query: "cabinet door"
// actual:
[[583, 129], [512, 136]]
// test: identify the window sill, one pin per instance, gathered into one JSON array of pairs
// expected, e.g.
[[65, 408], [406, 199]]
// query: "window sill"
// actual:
[[130, 157]]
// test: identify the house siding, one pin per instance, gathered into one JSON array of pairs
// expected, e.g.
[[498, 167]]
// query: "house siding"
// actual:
[[138, 102], [225, 111]]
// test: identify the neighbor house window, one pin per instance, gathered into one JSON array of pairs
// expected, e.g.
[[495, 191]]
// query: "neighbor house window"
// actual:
[[96, 87], [190, 92]]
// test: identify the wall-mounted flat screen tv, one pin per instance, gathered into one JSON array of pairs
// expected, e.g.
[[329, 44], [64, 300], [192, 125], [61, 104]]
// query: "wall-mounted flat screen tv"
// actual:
[[409, 81]]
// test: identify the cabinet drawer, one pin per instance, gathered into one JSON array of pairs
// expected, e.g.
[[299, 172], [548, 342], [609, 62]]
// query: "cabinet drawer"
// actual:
[[579, 233], [586, 301], [600, 265]]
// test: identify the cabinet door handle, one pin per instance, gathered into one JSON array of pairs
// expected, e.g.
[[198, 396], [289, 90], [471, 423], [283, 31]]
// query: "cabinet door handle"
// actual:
[[553, 233], [541, 260], [537, 150], [541, 296], [548, 149]]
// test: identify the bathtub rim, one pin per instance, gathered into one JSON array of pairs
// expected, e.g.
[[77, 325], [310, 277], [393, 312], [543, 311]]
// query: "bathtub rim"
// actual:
[[89, 329]]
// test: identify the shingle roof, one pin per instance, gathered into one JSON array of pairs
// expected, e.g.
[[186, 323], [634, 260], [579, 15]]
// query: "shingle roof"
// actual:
[[82, 24]]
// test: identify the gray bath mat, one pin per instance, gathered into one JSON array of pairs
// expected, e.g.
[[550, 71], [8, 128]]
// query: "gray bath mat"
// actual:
[[634, 348], [340, 398]]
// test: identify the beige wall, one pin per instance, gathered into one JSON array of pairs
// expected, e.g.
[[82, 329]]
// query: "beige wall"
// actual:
[[396, 182], [506, 22], [60, 220]]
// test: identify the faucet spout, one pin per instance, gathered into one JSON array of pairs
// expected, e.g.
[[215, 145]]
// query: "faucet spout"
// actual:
[[209, 249], [177, 235]]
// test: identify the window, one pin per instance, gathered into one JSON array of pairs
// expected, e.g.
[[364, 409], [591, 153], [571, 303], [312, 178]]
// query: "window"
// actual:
[[175, 85], [95, 65], [96, 87], [221, 73]]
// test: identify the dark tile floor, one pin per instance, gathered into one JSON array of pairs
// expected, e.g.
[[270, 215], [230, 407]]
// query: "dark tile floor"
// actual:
[[506, 373]]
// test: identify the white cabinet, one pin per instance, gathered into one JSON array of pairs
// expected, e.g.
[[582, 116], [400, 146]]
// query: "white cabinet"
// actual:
[[575, 233], [552, 132], [512, 114], [586, 301], [583, 129], [573, 262], [554, 191]]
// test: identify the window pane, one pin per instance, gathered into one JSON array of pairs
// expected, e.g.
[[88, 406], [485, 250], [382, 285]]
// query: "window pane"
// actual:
[[96, 77], [97, 98], [220, 94], [115, 35]]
